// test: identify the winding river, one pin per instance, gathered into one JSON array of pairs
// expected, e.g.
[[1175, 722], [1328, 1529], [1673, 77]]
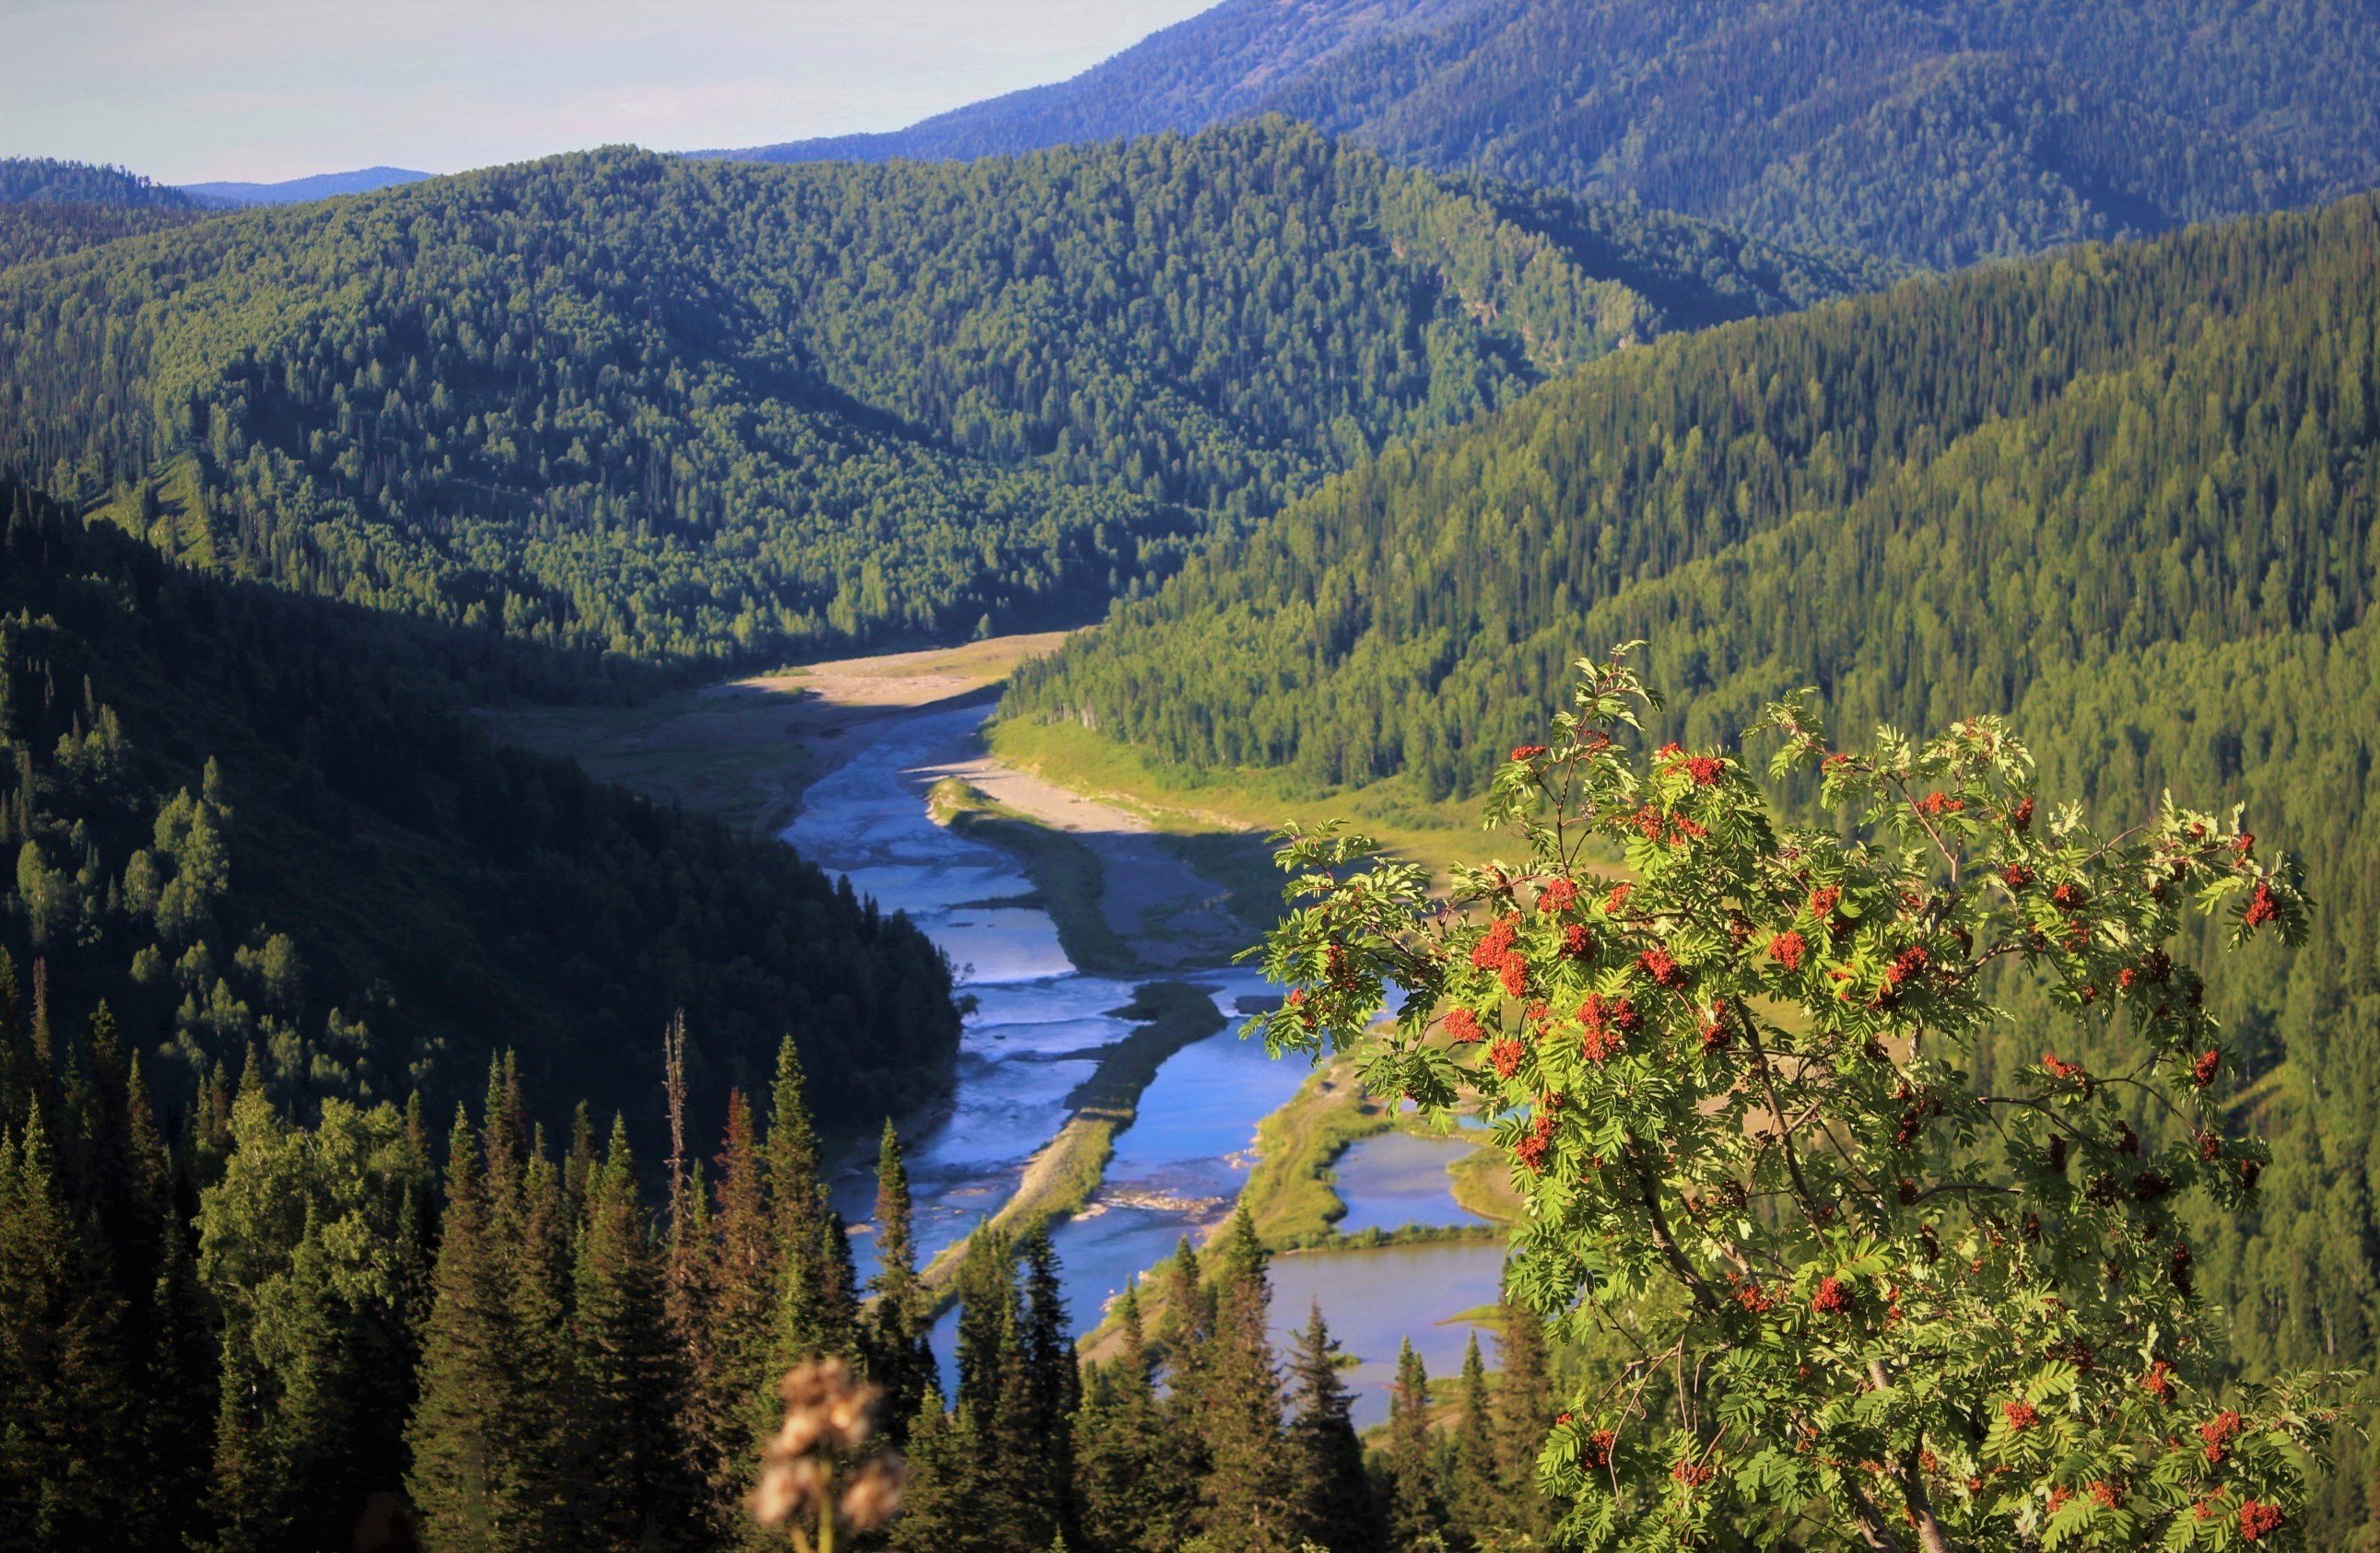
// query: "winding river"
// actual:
[[1036, 1030]]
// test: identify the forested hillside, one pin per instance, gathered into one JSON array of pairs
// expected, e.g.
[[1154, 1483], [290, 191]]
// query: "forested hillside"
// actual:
[[2061, 490], [674, 409], [52, 208], [230, 815], [1934, 133], [35, 180]]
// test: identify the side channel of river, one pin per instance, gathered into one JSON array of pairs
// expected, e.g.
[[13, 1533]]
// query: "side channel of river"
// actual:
[[1036, 1031]]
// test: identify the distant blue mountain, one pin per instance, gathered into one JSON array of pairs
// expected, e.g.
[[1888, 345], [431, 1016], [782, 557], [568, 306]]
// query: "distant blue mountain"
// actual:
[[321, 186], [1930, 132]]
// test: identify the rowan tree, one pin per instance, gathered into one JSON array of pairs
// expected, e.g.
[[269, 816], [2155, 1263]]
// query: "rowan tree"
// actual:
[[1858, 1294]]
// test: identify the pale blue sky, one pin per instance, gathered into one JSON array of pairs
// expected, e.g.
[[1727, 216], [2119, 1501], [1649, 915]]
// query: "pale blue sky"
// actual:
[[193, 91]]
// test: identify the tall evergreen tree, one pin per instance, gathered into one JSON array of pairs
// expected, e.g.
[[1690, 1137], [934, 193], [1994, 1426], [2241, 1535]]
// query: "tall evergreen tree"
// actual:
[[454, 1434], [626, 1481], [1132, 1479], [1333, 1498], [899, 1357], [1416, 1511], [1245, 1495], [64, 1404], [534, 1426], [1523, 1413], [937, 1510], [1053, 1380], [1475, 1495], [733, 1390]]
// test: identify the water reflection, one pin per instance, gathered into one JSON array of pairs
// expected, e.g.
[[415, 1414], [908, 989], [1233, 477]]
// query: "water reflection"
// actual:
[[1400, 1179], [1036, 1026], [1376, 1298]]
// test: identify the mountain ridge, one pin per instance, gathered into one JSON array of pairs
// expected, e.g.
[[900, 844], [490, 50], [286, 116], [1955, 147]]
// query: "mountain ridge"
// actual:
[[1931, 133]]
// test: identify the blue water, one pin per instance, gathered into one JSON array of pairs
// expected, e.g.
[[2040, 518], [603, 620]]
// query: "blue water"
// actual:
[[1036, 1033], [1399, 1178]]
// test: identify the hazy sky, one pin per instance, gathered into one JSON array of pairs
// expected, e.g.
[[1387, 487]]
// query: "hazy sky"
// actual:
[[194, 90]]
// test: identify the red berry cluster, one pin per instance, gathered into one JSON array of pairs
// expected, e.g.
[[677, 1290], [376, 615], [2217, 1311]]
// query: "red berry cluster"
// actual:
[[1495, 952], [1558, 895], [1787, 949], [1463, 1028], [1531, 1150], [2218, 1433], [2258, 1520], [1607, 1022], [1505, 1058], [1832, 1298], [1662, 967]]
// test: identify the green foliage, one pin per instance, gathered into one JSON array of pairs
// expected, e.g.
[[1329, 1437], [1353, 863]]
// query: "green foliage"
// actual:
[[29, 234], [38, 180], [1736, 1074], [2127, 495], [246, 820], [661, 408], [306, 1246], [1935, 132]]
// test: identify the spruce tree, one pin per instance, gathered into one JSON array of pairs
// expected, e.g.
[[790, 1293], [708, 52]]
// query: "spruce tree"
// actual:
[[797, 1201], [732, 1397], [938, 1513], [626, 1481], [1053, 1377], [987, 1299], [1245, 1495], [1133, 1490], [1523, 1413], [1475, 1499], [899, 1357], [535, 1471], [65, 1406], [1332, 1497], [451, 1435], [1416, 1511]]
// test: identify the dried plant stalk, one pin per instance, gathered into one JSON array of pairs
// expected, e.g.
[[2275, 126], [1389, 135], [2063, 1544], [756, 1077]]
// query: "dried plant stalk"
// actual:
[[825, 1443]]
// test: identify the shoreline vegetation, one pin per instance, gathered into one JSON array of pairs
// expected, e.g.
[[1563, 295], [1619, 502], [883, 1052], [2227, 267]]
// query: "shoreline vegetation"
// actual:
[[1198, 809], [1062, 1177], [745, 750]]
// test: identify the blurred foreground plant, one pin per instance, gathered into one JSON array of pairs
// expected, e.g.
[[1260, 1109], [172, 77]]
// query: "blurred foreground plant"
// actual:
[[830, 1422]]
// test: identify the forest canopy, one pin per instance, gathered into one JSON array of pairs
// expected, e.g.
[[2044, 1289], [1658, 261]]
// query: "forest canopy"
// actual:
[[1934, 132], [662, 408]]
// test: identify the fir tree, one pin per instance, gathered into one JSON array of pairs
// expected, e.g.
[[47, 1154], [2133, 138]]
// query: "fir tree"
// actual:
[[1054, 1381], [1475, 1497], [899, 1357], [1134, 1494], [1523, 1412], [1416, 1512], [64, 1403], [743, 1306], [1244, 1494], [463, 1359], [1333, 1498], [534, 1425], [938, 1514], [626, 1482]]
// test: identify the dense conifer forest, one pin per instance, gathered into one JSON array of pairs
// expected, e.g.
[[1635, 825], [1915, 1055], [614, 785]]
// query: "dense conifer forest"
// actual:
[[1932, 133], [663, 408], [351, 1190], [48, 209], [2126, 495], [247, 823]]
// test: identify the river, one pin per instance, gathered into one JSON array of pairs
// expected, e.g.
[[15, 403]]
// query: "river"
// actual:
[[1035, 1031]]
